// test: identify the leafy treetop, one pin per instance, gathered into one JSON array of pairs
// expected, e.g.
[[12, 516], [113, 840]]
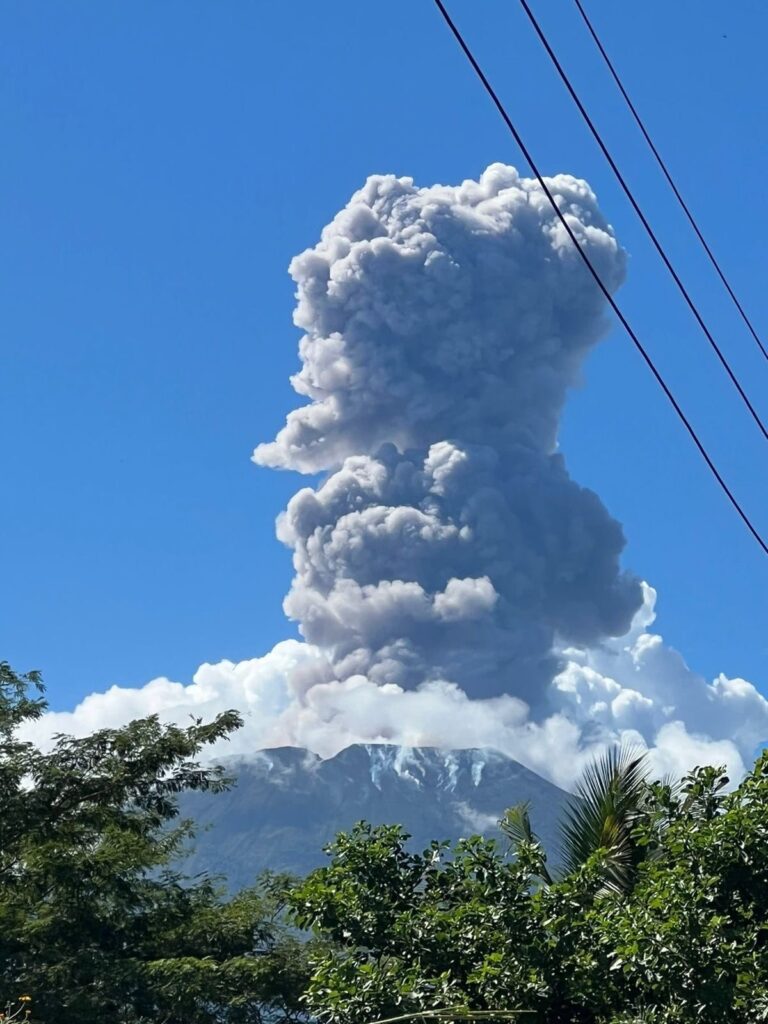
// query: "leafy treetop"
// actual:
[[96, 922]]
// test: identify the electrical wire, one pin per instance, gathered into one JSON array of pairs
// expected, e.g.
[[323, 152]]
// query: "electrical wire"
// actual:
[[643, 219], [670, 180], [598, 280]]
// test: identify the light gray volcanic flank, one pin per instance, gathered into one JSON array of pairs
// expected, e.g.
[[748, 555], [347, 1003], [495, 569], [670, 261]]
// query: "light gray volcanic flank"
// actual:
[[444, 326], [288, 804]]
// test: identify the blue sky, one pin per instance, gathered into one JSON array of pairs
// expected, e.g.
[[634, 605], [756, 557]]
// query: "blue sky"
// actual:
[[163, 162]]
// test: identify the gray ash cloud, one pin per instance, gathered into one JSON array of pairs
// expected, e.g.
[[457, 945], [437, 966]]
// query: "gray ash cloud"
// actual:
[[443, 329], [457, 588]]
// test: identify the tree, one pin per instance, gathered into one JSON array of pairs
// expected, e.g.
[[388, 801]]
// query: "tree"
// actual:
[[95, 921], [607, 805], [474, 927]]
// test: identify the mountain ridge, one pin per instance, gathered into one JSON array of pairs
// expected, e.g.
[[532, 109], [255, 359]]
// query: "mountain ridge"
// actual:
[[287, 803]]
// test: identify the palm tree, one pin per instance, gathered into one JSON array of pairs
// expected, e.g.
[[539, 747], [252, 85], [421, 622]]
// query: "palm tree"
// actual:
[[602, 816]]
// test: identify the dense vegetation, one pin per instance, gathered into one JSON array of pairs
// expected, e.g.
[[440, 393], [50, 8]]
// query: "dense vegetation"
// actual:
[[684, 942], [95, 922], [659, 913]]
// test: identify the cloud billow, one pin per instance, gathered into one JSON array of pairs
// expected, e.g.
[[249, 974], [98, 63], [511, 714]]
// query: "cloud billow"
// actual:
[[444, 312], [461, 563], [444, 326]]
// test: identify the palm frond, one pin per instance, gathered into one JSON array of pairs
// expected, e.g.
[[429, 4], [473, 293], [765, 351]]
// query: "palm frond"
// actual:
[[516, 826], [603, 813]]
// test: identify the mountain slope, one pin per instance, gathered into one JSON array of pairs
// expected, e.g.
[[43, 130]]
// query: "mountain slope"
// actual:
[[287, 803]]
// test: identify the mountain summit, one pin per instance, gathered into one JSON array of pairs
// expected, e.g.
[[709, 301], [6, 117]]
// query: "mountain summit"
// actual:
[[288, 803]]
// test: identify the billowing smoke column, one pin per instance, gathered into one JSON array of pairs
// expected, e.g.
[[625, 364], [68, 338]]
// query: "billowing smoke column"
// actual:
[[443, 328], [457, 588]]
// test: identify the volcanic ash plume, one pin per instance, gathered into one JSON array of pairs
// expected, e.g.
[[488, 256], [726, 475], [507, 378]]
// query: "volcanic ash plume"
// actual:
[[443, 328], [447, 556]]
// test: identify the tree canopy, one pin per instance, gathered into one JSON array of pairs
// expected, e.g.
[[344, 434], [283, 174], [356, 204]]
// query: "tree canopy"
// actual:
[[657, 911], [485, 928], [96, 921]]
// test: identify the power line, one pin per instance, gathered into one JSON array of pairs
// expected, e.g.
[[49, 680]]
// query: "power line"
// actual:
[[643, 219], [670, 180], [598, 280]]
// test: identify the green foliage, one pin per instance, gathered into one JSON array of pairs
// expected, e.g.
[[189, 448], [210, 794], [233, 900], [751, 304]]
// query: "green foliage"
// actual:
[[681, 937], [608, 804], [95, 922], [419, 931], [516, 826], [603, 816], [659, 915]]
